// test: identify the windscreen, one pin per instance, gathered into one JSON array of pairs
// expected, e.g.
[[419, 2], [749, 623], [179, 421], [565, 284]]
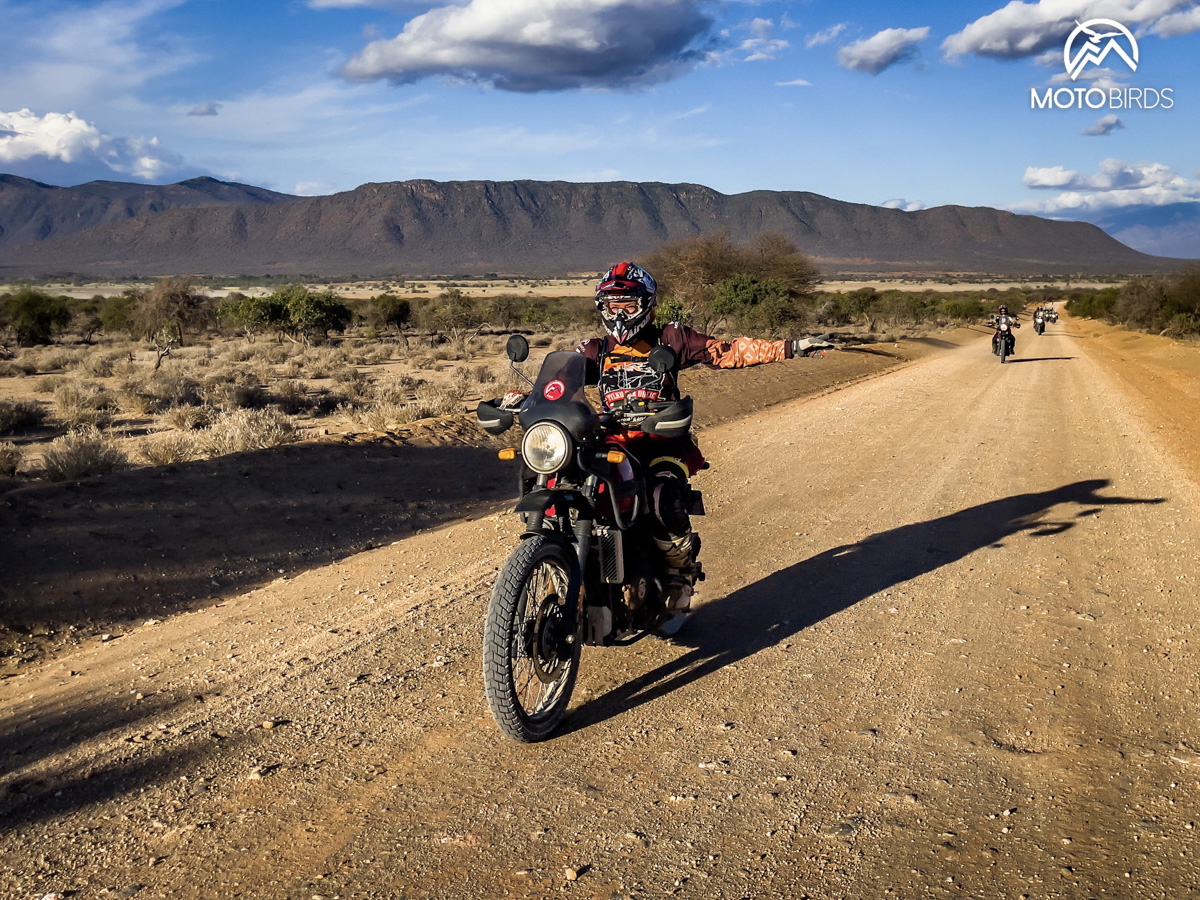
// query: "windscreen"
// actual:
[[562, 378]]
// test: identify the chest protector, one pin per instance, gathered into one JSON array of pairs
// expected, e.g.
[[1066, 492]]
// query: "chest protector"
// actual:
[[625, 374]]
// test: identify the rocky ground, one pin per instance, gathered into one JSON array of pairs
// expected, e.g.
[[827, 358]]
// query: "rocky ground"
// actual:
[[945, 648]]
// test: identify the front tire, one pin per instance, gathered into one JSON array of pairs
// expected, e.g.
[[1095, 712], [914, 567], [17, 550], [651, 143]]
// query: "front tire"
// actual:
[[531, 640]]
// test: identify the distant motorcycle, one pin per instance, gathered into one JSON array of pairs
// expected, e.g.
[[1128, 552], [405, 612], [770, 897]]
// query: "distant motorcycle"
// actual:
[[1039, 323], [587, 570], [1004, 342]]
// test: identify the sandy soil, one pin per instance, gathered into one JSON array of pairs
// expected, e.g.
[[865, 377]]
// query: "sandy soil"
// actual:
[[945, 648]]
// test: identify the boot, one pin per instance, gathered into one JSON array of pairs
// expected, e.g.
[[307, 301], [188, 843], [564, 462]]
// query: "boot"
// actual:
[[682, 570]]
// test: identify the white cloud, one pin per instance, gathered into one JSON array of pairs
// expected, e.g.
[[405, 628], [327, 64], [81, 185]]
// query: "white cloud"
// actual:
[[698, 111], [798, 82], [824, 37], [313, 188], [1022, 29], [901, 203], [878, 52], [762, 45], [67, 138], [1102, 78], [1106, 125], [75, 56], [1116, 185], [1174, 25], [543, 45]]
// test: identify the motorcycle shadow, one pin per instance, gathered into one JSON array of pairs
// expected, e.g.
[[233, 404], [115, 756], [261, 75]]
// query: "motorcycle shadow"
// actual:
[[774, 609], [1030, 359]]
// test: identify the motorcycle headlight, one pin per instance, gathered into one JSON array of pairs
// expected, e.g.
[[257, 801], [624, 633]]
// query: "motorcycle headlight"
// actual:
[[1004, 328], [546, 448]]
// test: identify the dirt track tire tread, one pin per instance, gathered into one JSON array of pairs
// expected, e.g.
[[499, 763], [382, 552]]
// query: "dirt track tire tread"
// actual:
[[498, 629]]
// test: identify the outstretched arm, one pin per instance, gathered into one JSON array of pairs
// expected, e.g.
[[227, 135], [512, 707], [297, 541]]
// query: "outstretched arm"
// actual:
[[694, 348]]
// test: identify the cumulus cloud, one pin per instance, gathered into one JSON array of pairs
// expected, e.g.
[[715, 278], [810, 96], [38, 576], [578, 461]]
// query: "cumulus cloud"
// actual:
[[1102, 78], [1106, 125], [543, 45], [761, 46], [824, 37], [878, 52], [65, 137], [1175, 24], [205, 109], [1117, 184], [901, 203], [1023, 29]]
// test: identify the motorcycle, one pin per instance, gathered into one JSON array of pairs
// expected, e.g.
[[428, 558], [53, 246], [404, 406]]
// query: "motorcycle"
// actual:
[[1039, 323], [586, 570], [1004, 342]]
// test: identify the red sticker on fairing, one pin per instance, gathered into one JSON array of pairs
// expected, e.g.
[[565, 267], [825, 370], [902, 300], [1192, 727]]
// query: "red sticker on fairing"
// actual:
[[554, 390]]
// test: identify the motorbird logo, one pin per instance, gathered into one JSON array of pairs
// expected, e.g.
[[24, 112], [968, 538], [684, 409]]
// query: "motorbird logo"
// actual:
[[1101, 37], [1090, 44]]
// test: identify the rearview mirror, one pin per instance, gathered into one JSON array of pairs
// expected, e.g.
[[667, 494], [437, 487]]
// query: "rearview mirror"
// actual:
[[662, 359], [517, 348]]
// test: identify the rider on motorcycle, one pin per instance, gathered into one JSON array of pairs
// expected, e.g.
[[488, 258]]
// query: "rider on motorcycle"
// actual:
[[1003, 318], [626, 299]]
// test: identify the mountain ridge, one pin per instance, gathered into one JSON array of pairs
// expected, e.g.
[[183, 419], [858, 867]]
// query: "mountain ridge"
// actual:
[[206, 226]]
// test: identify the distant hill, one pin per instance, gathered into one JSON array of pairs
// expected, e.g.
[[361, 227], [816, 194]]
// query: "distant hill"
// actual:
[[32, 211], [514, 227]]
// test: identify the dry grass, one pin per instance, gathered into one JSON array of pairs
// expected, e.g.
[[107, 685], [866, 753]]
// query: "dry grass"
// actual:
[[186, 418], [169, 447], [81, 403], [149, 394], [16, 368], [247, 429], [20, 415], [10, 458], [80, 453]]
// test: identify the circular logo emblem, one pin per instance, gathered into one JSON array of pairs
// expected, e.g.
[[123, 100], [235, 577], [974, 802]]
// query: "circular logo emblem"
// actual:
[[554, 390], [1091, 42]]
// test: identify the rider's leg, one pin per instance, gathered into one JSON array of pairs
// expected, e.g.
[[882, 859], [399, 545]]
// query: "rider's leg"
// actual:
[[669, 500]]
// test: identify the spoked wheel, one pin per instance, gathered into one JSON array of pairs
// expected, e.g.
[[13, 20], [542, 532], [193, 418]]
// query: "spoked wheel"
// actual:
[[531, 641]]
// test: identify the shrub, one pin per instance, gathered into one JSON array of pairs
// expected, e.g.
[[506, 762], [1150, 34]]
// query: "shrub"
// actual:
[[78, 403], [247, 429], [80, 453], [10, 458], [186, 418], [291, 397], [168, 448], [16, 368]]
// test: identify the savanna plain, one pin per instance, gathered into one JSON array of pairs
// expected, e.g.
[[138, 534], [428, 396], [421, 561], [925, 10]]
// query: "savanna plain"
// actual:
[[945, 646]]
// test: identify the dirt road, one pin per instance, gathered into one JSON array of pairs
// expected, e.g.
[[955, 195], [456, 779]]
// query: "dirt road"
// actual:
[[945, 648]]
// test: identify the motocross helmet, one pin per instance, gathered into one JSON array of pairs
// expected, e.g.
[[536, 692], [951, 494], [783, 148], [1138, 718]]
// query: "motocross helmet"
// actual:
[[622, 283]]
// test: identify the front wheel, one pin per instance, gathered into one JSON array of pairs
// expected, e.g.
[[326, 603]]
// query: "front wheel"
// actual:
[[1003, 351], [531, 640]]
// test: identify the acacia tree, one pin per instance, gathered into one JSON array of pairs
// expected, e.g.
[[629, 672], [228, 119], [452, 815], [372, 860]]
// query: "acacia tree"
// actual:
[[255, 315], [313, 315], [35, 316], [690, 274], [172, 303]]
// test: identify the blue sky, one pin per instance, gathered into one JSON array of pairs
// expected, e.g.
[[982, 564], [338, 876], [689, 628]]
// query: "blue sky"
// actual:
[[905, 104]]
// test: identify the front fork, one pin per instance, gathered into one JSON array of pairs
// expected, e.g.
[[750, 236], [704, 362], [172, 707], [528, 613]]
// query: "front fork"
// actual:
[[580, 538]]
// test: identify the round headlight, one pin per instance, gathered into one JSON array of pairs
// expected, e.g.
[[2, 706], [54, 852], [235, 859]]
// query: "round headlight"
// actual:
[[546, 448]]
